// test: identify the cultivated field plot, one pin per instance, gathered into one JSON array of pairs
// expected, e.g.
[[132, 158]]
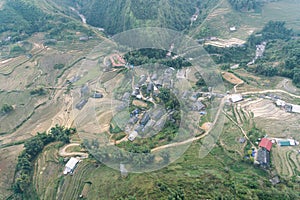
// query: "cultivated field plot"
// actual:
[[286, 161], [223, 17], [231, 78], [226, 43], [24, 106], [278, 124], [48, 173], [8, 162]]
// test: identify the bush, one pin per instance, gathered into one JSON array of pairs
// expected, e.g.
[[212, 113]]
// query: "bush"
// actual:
[[6, 109]]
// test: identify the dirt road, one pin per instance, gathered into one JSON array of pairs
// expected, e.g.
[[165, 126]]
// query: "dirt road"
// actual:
[[196, 138], [63, 153]]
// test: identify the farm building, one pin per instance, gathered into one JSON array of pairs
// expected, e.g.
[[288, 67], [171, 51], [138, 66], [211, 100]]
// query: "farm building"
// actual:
[[71, 165], [157, 114], [84, 90], [284, 143], [145, 119], [150, 87], [159, 124], [133, 120], [154, 77], [233, 28], [159, 83], [288, 142], [266, 144], [296, 108], [236, 98], [132, 136], [148, 126], [81, 104], [97, 95], [198, 105], [280, 103], [263, 157]]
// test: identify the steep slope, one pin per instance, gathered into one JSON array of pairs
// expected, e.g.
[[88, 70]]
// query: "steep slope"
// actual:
[[119, 15]]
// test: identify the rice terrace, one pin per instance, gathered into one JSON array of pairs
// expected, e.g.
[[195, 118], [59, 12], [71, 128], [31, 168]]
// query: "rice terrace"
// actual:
[[149, 99]]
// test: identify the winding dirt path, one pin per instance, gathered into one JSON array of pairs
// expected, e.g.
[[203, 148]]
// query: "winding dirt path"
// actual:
[[196, 138], [63, 153]]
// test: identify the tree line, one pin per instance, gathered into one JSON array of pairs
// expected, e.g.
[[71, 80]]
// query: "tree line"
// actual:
[[245, 5], [147, 56]]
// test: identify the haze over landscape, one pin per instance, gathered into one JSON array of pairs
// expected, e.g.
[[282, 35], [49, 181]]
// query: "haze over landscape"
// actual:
[[157, 99]]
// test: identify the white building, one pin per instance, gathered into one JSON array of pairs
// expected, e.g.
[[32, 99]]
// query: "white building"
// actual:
[[233, 28], [280, 103], [236, 98], [296, 108], [70, 166], [132, 136]]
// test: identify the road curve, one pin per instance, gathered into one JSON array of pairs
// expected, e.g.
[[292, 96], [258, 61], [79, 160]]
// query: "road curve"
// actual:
[[63, 153], [195, 138]]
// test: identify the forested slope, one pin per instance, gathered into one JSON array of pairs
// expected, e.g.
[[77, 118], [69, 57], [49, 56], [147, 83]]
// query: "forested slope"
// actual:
[[119, 15]]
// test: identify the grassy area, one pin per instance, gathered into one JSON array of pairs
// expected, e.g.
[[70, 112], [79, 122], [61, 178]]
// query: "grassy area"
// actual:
[[224, 16], [218, 175]]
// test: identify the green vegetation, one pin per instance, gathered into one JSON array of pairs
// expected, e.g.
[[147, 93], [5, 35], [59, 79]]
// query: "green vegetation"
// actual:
[[241, 54], [173, 14], [6, 109], [282, 52], [59, 66], [145, 56], [245, 5], [23, 16], [32, 148], [38, 92], [220, 175]]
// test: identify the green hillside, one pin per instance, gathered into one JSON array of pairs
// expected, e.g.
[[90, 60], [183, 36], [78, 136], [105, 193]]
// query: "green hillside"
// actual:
[[119, 15], [19, 19]]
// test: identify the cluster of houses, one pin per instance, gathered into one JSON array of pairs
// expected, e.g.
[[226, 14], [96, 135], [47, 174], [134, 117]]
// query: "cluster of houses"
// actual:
[[292, 108], [263, 154], [145, 123], [85, 94]]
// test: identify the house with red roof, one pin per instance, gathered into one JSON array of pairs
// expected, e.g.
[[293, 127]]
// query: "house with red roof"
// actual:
[[266, 143], [263, 154]]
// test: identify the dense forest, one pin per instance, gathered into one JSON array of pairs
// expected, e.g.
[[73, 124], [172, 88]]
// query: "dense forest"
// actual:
[[147, 56], [23, 18], [282, 55], [119, 15], [245, 5], [20, 19]]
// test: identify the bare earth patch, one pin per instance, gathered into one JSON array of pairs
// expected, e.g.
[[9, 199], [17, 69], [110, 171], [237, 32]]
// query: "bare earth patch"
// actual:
[[232, 78], [139, 103]]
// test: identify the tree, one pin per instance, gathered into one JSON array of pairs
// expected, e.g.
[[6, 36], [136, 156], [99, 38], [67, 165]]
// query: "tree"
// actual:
[[6, 109]]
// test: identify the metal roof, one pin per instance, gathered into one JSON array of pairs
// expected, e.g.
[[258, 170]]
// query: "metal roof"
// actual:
[[266, 143], [71, 164]]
